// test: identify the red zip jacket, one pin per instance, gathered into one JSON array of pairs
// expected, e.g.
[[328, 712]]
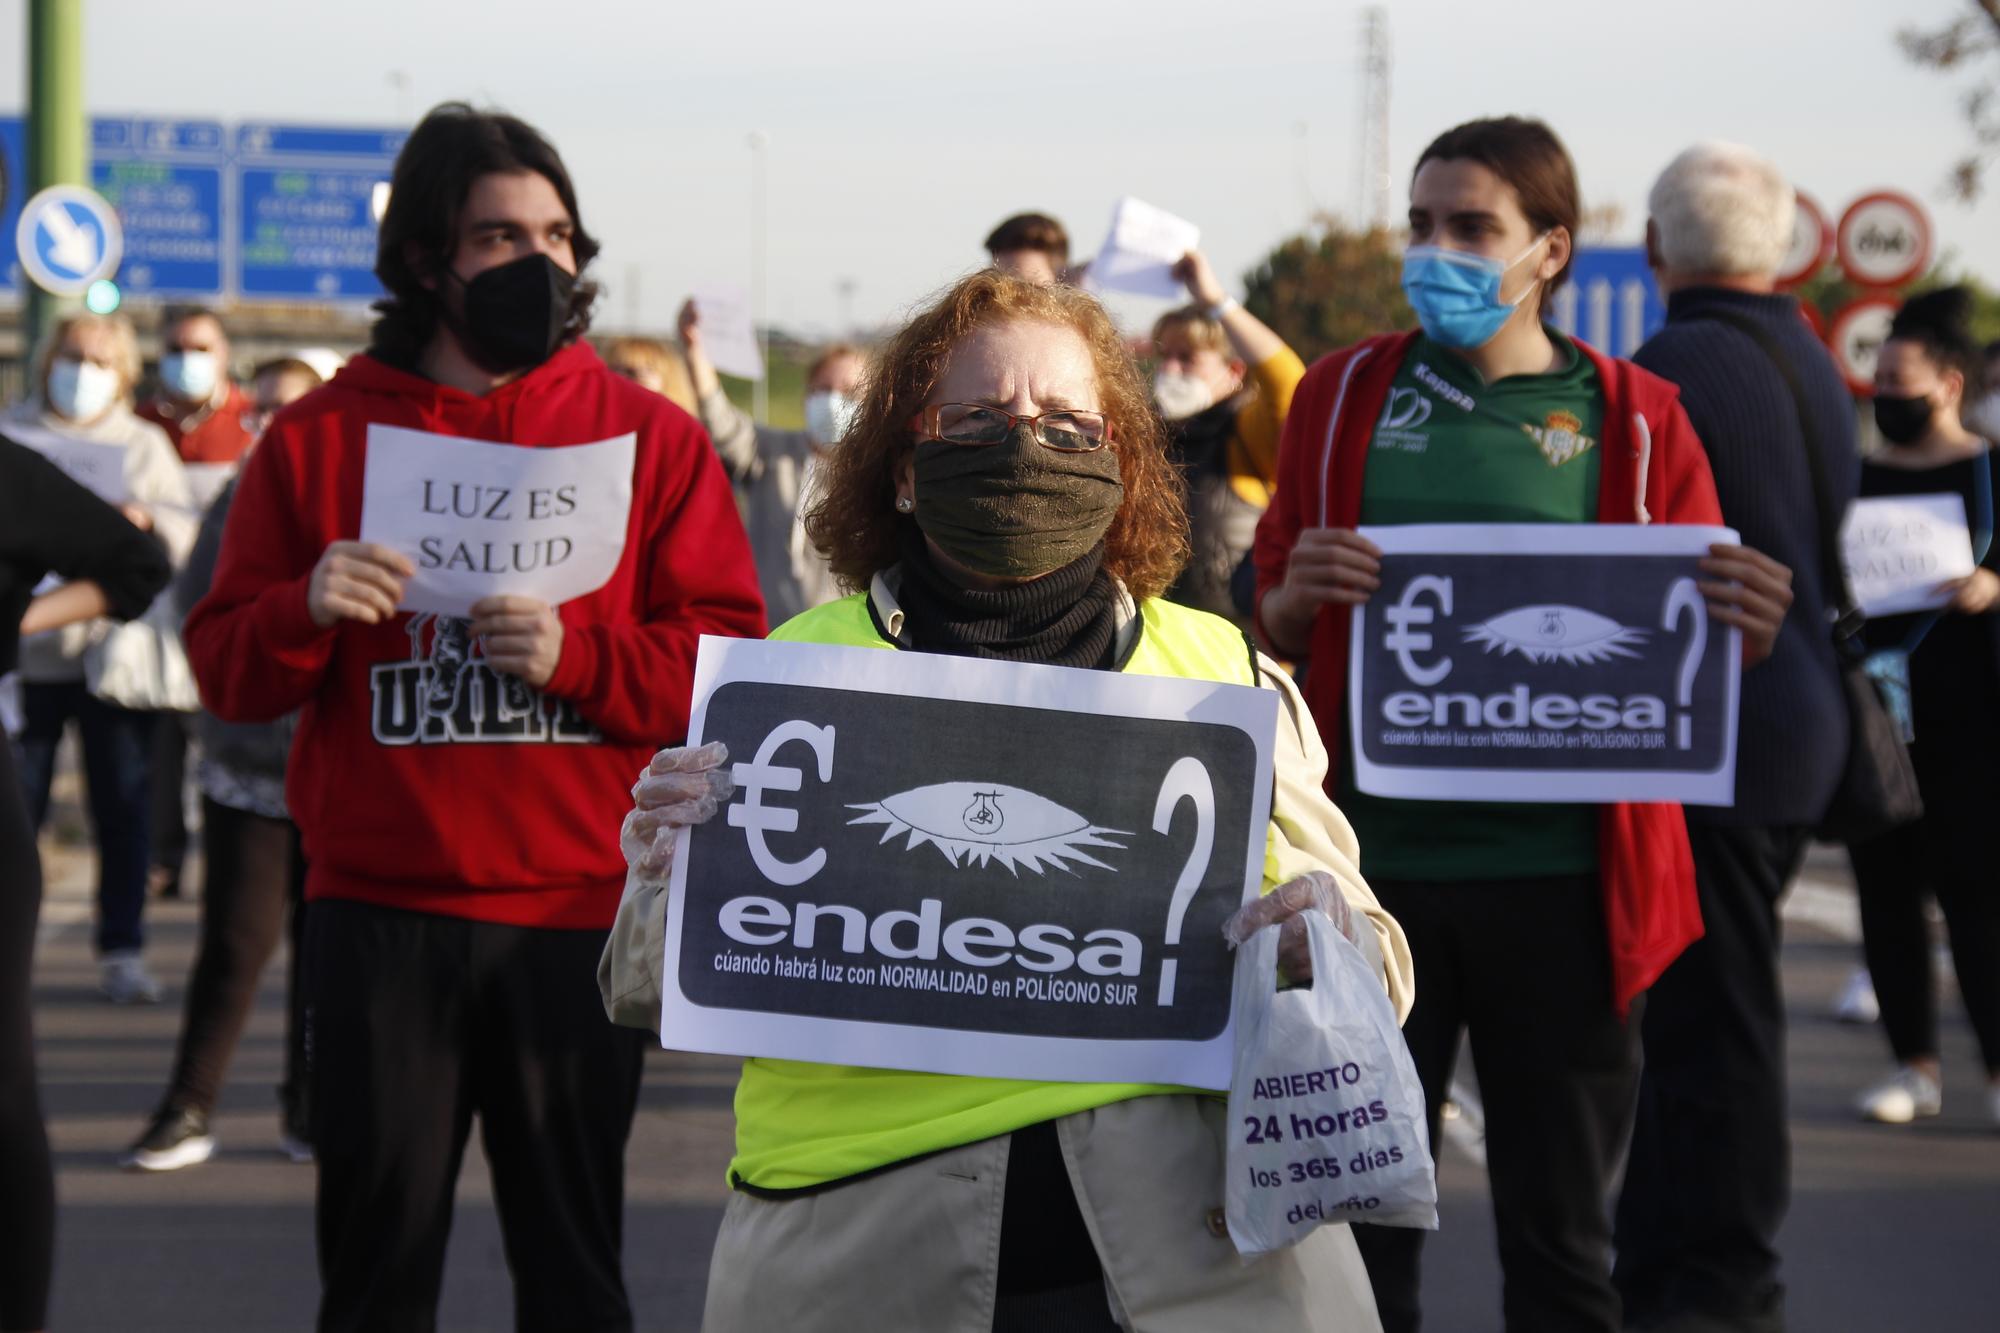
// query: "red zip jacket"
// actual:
[[1653, 469], [420, 779]]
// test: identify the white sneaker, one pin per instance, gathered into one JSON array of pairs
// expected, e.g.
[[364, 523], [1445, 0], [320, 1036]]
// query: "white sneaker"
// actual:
[[1908, 1095], [1857, 1003], [124, 979]]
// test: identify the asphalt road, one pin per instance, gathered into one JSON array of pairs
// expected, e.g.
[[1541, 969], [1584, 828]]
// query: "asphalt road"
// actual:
[[1891, 1231]]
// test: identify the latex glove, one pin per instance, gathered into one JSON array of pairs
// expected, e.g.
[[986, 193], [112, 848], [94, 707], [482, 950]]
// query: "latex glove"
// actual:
[[680, 787], [1315, 890]]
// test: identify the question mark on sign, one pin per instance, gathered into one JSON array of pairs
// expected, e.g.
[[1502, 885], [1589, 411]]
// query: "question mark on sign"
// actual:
[[1685, 596], [1187, 780]]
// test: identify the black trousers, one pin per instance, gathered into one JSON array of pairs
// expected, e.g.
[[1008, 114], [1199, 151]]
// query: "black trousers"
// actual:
[[255, 882], [1521, 966], [415, 1023], [27, 1182], [166, 799], [1709, 1177], [1948, 853]]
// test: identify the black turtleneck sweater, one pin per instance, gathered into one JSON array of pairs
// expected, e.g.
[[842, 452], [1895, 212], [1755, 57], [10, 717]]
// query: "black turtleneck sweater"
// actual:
[[1792, 737]]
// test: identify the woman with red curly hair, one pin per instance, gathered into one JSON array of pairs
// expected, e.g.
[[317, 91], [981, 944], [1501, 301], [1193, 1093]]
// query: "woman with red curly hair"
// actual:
[[1004, 493]]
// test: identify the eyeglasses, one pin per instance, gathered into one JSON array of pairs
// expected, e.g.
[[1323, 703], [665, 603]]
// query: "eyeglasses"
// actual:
[[976, 424]]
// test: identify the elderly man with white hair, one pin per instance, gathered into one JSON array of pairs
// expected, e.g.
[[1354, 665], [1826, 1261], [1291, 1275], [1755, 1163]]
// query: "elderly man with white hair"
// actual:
[[1709, 1175]]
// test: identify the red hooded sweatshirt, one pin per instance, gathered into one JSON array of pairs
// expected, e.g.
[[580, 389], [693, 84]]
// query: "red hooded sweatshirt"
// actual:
[[419, 778], [1653, 469]]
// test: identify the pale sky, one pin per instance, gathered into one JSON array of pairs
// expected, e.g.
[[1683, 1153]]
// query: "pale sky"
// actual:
[[900, 131]]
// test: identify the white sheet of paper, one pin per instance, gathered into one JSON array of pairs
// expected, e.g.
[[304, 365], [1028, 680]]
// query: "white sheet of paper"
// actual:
[[98, 467], [1140, 250], [810, 737], [1897, 549], [205, 482], [728, 333], [481, 519]]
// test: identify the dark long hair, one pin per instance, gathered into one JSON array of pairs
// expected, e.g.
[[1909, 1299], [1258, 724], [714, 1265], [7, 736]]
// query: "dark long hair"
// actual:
[[453, 146], [1940, 322], [1528, 156]]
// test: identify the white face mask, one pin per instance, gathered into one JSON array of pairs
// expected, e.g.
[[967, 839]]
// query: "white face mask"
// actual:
[[1985, 416], [190, 376], [81, 391], [1181, 395], [829, 413]]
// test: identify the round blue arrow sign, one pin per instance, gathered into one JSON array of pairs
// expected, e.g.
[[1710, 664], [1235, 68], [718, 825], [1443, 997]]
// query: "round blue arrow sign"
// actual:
[[68, 238]]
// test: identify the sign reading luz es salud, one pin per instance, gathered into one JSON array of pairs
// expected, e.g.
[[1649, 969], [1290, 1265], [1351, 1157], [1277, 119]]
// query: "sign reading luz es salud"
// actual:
[[1543, 662], [479, 518], [967, 867], [1898, 549]]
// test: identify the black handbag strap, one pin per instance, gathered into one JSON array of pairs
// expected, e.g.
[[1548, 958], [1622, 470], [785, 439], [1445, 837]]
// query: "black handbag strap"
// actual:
[[1832, 570]]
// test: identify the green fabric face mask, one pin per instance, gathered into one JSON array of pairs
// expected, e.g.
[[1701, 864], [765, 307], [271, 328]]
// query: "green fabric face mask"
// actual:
[[1015, 509]]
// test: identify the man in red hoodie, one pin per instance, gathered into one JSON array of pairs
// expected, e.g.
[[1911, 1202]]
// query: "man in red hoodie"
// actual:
[[1532, 926], [459, 781]]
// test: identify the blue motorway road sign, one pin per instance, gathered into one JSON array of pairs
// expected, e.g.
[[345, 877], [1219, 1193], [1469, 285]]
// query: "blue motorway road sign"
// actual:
[[165, 178], [1610, 300], [67, 238], [307, 199], [13, 193]]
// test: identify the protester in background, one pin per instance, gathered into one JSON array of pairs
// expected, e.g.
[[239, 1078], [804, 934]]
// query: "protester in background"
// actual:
[[254, 883], [201, 409], [654, 365], [84, 378], [458, 781], [1032, 246], [1983, 415], [1223, 381], [1926, 371], [774, 469], [1709, 1176], [49, 525], [1497, 417], [848, 1210]]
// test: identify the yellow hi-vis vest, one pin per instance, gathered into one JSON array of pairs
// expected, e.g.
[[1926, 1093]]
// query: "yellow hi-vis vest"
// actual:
[[800, 1124]]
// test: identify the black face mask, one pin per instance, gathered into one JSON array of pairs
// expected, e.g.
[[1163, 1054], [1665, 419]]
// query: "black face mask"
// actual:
[[1903, 420], [514, 315]]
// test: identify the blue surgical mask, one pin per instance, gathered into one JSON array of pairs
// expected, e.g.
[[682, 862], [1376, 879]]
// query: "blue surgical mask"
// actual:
[[81, 391], [1457, 295], [190, 376]]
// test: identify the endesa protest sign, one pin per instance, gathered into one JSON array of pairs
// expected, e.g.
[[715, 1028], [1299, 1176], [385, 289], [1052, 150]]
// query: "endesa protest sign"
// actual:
[[967, 867], [479, 518], [1543, 662]]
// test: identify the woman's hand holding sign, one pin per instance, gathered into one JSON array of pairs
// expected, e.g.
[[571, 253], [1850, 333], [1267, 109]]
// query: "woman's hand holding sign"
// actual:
[[356, 581], [1975, 594], [520, 635], [1335, 566], [682, 786], [1749, 590], [1313, 891]]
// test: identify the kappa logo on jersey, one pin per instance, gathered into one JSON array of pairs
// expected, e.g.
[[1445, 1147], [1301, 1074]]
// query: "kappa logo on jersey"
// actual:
[[1556, 634], [449, 696], [1560, 437], [973, 823], [1442, 387], [1406, 410]]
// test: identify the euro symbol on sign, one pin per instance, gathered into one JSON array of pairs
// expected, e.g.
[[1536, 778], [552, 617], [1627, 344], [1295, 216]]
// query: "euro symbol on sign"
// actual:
[[756, 819], [1404, 641]]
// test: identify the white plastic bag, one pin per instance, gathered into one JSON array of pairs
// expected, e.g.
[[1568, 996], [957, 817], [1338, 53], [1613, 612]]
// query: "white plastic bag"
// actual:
[[1326, 1116], [141, 664]]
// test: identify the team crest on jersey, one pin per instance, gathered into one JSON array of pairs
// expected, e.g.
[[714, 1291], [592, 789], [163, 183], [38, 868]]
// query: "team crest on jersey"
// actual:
[[1560, 437], [445, 694]]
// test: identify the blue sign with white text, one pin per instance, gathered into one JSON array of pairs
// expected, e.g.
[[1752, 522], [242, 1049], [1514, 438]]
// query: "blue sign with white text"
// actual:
[[308, 201], [1610, 300], [13, 193]]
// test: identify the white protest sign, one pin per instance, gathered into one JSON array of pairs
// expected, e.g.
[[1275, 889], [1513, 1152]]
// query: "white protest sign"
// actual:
[[967, 867], [98, 467], [1898, 549], [1140, 250], [728, 332], [480, 518], [1543, 662]]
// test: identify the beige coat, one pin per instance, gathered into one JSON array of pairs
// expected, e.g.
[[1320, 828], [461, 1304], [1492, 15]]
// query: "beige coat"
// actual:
[[154, 479], [915, 1249]]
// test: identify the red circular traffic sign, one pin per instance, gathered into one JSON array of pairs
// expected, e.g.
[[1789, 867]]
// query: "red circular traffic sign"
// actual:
[[1814, 320], [1859, 330], [1812, 243], [1884, 239]]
